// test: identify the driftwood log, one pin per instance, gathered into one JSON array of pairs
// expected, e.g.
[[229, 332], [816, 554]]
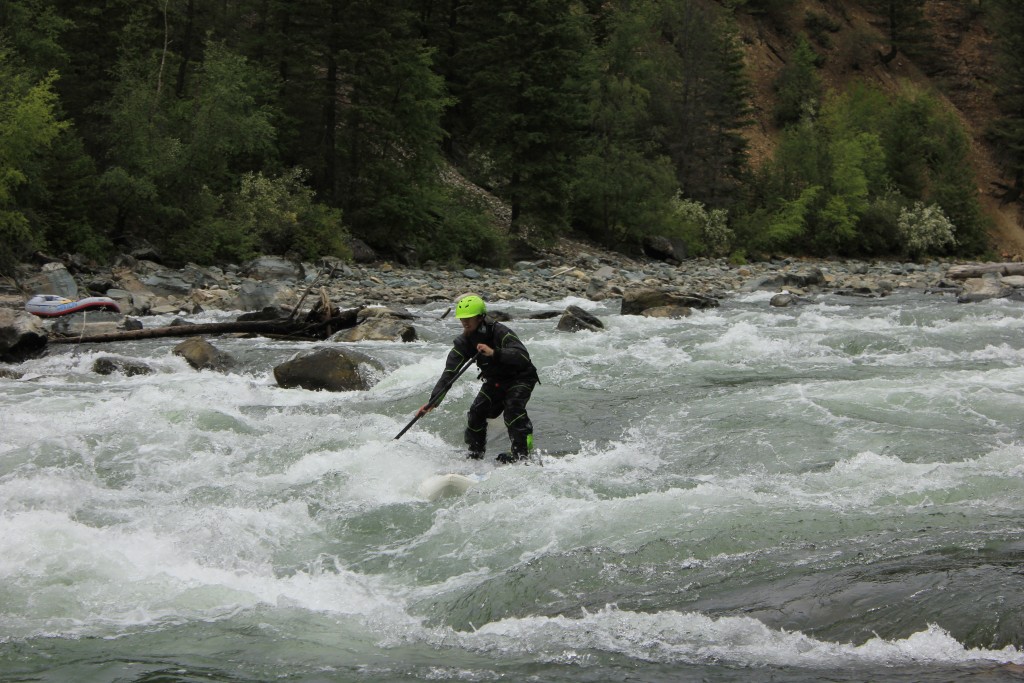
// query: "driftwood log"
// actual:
[[316, 326], [972, 270]]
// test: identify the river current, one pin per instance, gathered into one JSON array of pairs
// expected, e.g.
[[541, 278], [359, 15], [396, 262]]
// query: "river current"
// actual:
[[828, 492]]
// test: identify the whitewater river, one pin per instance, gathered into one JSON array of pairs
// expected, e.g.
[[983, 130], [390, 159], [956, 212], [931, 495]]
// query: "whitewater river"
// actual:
[[830, 492]]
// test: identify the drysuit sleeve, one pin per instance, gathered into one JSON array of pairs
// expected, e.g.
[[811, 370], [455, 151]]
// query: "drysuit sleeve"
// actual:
[[509, 350], [456, 359]]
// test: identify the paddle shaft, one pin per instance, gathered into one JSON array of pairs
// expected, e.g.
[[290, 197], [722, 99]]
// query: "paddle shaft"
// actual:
[[444, 390]]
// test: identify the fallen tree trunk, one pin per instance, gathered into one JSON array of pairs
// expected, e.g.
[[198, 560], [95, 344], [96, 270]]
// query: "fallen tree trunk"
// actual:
[[299, 329], [294, 329]]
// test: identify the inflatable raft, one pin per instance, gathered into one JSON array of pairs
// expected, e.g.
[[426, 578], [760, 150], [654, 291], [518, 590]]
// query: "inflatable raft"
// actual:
[[53, 305]]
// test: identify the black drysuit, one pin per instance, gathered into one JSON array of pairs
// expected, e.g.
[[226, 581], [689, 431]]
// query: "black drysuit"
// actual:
[[509, 378]]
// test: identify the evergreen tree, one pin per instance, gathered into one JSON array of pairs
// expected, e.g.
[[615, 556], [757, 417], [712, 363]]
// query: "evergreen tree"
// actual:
[[905, 27], [361, 110], [624, 186], [798, 87], [700, 101], [1007, 132], [521, 62]]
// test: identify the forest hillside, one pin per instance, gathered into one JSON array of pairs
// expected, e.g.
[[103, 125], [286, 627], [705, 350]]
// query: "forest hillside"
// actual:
[[459, 131], [960, 64]]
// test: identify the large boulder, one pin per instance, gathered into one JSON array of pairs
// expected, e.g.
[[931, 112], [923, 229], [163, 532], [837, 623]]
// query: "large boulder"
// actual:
[[806, 277], [255, 296], [361, 251], [273, 268], [22, 336], [665, 249], [53, 278], [783, 300], [87, 323], [636, 301], [202, 355], [327, 369], [982, 288], [167, 283]]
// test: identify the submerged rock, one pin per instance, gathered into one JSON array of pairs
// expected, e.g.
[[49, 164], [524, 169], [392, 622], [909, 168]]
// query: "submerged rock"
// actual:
[[378, 329], [108, 365], [575, 319], [636, 301], [202, 355]]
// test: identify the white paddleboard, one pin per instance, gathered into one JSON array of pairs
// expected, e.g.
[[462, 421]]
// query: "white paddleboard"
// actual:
[[444, 485]]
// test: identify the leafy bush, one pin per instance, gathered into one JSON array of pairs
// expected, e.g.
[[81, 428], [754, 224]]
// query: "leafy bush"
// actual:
[[28, 127], [705, 232], [269, 216], [924, 229], [877, 226], [463, 231]]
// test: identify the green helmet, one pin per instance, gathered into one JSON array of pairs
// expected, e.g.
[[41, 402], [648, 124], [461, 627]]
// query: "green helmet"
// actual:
[[470, 307]]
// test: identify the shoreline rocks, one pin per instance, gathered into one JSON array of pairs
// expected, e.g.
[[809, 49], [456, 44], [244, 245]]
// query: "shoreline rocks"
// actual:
[[568, 269]]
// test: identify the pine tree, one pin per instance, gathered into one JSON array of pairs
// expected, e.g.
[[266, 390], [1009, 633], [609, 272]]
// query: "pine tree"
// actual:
[[1007, 132], [521, 62], [700, 101], [624, 185]]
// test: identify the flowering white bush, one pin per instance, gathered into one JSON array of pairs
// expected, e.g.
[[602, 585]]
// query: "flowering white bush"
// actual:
[[923, 229], [715, 233]]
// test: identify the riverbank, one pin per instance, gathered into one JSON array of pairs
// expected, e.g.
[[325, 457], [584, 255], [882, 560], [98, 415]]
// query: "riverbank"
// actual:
[[567, 269]]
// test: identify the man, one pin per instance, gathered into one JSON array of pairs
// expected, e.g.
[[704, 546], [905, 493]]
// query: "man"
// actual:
[[508, 374]]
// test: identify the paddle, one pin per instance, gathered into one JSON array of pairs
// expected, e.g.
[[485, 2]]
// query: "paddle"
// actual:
[[444, 390]]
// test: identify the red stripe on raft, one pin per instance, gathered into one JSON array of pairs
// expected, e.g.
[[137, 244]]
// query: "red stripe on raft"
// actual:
[[76, 309]]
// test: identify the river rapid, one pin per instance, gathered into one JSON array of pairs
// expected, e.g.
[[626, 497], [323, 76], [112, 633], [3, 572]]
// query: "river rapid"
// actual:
[[831, 492]]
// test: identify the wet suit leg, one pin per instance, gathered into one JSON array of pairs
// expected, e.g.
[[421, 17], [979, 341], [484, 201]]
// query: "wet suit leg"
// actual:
[[488, 404], [517, 421]]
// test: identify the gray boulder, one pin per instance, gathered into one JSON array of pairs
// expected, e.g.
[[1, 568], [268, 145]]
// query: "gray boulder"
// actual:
[[53, 278], [255, 296], [665, 249], [273, 268], [782, 300], [809, 277], [22, 336], [166, 283], [983, 288], [87, 323], [361, 251], [326, 369]]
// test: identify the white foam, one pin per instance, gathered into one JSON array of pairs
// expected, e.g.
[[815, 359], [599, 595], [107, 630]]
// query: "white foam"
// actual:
[[671, 637]]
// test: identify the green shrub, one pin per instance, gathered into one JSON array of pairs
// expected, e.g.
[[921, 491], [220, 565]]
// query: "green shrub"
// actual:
[[705, 232], [463, 231], [266, 215]]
